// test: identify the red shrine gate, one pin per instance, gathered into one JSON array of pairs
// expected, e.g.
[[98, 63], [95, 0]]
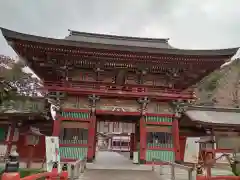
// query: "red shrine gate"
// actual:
[[90, 75]]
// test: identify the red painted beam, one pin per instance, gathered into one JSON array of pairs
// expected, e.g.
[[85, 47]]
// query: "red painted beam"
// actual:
[[75, 119], [159, 123], [73, 145], [159, 115], [75, 110], [104, 112], [117, 93], [98, 84], [160, 148]]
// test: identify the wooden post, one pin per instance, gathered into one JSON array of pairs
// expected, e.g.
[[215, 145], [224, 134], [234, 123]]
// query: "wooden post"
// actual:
[[143, 140], [56, 126], [132, 144], [30, 155], [175, 133], [10, 139], [91, 138]]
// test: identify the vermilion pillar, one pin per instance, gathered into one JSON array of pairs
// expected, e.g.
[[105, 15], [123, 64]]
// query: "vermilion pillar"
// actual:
[[91, 139], [56, 126], [143, 140], [175, 132]]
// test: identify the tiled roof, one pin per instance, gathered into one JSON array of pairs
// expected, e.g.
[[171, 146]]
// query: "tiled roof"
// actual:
[[125, 45], [213, 115]]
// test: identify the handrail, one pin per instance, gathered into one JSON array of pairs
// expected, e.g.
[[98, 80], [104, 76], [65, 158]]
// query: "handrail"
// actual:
[[63, 175], [41, 175], [173, 166], [11, 171], [77, 168]]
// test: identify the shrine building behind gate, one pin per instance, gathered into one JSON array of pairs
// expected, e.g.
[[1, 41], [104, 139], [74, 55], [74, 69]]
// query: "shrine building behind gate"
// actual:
[[99, 78]]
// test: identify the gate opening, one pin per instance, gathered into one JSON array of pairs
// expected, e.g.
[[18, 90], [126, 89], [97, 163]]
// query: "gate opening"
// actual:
[[118, 134]]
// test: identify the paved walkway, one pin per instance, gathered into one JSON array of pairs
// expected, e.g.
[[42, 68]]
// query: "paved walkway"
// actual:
[[110, 174], [114, 160], [112, 165]]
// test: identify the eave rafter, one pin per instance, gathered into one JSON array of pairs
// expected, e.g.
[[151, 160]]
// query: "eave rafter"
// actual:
[[122, 56], [53, 58]]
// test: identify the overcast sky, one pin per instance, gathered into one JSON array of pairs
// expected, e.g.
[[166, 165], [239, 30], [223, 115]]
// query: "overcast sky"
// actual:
[[188, 23]]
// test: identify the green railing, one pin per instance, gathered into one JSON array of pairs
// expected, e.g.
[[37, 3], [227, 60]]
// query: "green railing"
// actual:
[[160, 145], [159, 154], [73, 152], [158, 119], [75, 115]]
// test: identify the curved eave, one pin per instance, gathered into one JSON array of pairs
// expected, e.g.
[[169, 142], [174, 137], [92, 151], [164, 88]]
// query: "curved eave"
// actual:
[[13, 35]]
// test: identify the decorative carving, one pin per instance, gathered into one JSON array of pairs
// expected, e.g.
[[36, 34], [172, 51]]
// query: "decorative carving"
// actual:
[[143, 104], [180, 106], [22, 106], [57, 97], [160, 107], [93, 101], [118, 105]]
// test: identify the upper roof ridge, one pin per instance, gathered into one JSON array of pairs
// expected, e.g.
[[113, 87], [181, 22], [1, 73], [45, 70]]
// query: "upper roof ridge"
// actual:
[[112, 36]]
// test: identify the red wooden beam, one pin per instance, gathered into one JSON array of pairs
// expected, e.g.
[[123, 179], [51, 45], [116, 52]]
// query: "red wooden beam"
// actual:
[[159, 115], [122, 94], [73, 145], [160, 148], [75, 119], [159, 123]]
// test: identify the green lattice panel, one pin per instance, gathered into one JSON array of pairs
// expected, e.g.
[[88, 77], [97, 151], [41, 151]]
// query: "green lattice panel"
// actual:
[[75, 114], [168, 156], [73, 152], [161, 145], [158, 119]]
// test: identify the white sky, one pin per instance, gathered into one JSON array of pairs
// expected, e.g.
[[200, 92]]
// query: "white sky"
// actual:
[[189, 24]]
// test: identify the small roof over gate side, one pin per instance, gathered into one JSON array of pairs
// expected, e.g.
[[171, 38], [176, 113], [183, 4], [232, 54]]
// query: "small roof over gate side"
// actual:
[[213, 116]]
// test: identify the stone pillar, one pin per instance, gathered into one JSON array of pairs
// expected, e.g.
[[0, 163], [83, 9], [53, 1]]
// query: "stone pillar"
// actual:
[[109, 144]]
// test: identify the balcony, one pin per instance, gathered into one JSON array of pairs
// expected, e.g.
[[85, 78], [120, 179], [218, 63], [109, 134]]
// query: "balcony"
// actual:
[[113, 90]]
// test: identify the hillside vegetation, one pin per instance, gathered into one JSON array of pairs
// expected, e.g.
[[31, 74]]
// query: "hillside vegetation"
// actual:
[[221, 88]]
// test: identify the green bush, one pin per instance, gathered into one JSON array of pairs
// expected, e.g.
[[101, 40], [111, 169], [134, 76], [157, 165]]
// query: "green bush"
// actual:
[[26, 172]]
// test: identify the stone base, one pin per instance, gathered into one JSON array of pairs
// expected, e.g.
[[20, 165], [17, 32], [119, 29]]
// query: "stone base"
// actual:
[[90, 160]]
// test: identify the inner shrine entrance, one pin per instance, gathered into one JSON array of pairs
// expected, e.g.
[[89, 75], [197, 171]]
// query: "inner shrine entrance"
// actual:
[[118, 133]]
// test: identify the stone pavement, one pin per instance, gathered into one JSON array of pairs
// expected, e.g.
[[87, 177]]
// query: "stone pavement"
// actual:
[[113, 165], [114, 160], [111, 174]]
